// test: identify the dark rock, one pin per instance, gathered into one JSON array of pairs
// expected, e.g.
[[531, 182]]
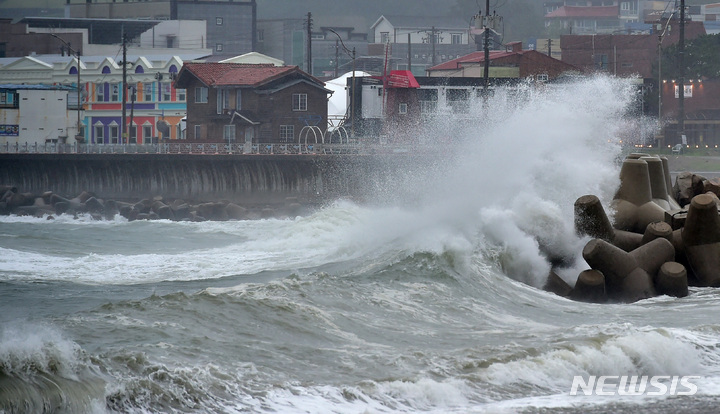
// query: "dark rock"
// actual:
[[235, 212], [212, 211], [181, 212], [61, 207], [94, 205], [164, 212]]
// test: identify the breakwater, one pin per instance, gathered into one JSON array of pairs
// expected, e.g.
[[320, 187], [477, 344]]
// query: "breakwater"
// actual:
[[245, 179]]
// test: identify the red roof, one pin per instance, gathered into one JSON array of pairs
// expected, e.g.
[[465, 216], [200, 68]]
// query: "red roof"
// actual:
[[472, 58], [237, 74], [579, 11]]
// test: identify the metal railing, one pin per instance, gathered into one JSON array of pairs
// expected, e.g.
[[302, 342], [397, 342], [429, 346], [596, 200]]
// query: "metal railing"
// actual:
[[205, 148]]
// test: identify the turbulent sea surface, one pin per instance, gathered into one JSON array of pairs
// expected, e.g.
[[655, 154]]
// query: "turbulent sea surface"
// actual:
[[431, 305]]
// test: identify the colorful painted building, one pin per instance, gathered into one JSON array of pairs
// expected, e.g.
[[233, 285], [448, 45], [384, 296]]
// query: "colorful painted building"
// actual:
[[153, 110]]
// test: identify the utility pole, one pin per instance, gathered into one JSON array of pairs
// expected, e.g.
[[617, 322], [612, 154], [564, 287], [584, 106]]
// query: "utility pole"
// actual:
[[432, 36], [409, 54], [487, 21], [123, 127], [681, 85], [337, 52], [486, 46], [309, 43]]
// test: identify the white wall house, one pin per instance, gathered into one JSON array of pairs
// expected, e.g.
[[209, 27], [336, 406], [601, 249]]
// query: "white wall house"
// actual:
[[421, 30], [35, 114]]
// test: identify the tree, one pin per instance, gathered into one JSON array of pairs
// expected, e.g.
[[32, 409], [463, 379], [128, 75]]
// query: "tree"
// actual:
[[702, 59]]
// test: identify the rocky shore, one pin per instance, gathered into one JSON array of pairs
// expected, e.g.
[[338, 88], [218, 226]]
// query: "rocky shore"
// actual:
[[49, 204]]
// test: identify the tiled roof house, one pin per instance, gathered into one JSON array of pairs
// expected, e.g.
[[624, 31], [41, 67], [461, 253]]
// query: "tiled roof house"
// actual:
[[251, 103]]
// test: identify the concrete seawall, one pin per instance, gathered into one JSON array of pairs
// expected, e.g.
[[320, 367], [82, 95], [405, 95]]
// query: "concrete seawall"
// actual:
[[244, 179]]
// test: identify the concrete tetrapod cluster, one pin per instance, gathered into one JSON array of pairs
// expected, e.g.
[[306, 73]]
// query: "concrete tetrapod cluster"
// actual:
[[653, 245]]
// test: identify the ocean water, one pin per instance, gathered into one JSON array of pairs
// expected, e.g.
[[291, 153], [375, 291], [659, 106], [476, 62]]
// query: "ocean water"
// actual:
[[429, 306]]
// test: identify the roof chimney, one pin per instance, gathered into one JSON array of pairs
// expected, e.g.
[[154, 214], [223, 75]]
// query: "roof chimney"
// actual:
[[513, 47]]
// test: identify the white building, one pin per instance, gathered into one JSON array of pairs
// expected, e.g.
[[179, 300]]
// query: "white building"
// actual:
[[35, 114]]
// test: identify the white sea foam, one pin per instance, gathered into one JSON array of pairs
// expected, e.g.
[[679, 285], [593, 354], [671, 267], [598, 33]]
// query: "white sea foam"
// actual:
[[31, 349], [638, 352]]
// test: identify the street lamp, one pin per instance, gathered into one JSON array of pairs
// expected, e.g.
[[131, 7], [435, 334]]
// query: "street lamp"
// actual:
[[79, 137], [352, 97]]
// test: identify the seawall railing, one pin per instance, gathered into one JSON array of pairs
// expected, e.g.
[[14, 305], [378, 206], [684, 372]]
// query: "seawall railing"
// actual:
[[205, 148]]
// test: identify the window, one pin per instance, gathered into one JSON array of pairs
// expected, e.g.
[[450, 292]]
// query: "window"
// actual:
[[456, 38], [219, 21], [167, 94], [114, 134], [403, 108], [458, 100], [260, 35], [180, 95], [201, 95], [147, 134], [170, 42], [8, 99], [218, 47], [238, 99], [133, 134], [223, 100], [115, 92], [299, 102], [147, 91], [287, 133], [99, 134], [384, 37], [229, 133], [543, 77], [601, 61], [100, 92], [198, 131]]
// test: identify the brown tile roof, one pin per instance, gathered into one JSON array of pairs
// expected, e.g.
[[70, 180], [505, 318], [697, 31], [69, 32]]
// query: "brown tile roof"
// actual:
[[474, 57], [237, 74]]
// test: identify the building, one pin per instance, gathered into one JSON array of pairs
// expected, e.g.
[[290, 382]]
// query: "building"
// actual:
[[420, 42], [230, 102], [403, 108], [102, 37], [602, 16], [702, 112], [622, 54], [16, 41], [36, 114], [154, 107], [231, 25], [585, 20], [333, 38], [511, 63]]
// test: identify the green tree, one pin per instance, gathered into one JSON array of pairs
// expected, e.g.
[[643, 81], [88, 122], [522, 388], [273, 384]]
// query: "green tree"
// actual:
[[702, 59]]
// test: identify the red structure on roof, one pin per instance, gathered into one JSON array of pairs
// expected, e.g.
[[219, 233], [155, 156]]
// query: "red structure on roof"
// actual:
[[402, 79]]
